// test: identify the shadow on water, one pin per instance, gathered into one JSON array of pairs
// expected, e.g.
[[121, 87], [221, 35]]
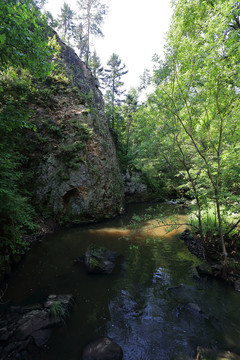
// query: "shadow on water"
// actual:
[[141, 306]]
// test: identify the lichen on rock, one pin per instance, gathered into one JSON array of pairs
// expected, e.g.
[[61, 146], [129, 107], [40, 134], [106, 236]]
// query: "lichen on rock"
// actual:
[[78, 174]]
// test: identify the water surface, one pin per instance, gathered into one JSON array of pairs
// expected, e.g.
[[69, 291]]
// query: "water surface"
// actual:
[[139, 306]]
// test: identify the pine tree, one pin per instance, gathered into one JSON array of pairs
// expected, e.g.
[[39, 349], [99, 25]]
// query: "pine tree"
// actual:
[[91, 17], [66, 22], [96, 66], [114, 84], [80, 40]]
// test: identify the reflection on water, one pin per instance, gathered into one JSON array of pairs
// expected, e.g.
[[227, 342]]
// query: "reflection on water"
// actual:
[[139, 305]]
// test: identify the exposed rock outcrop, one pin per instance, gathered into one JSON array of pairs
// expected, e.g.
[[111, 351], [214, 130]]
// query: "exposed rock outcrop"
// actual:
[[72, 150]]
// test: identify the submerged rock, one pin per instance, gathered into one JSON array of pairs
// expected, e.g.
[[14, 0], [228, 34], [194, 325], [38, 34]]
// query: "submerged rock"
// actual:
[[99, 260], [102, 349], [205, 269], [193, 308]]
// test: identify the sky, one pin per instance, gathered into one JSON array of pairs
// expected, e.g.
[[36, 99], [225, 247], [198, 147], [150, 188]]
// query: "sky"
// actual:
[[133, 29]]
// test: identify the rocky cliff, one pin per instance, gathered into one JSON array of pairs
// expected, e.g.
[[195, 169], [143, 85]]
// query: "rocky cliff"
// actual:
[[71, 152]]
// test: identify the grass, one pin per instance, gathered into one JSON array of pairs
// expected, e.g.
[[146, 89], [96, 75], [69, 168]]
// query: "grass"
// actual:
[[58, 311]]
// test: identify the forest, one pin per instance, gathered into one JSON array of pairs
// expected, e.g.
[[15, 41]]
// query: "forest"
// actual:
[[183, 138]]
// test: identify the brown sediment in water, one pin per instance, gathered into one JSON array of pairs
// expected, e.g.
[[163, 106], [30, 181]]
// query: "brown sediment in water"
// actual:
[[151, 228]]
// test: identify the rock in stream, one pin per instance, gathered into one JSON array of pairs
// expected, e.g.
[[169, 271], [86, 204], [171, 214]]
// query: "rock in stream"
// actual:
[[23, 326], [99, 260]]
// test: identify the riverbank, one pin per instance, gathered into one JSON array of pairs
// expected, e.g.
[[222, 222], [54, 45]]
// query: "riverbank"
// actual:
[[209, 251]]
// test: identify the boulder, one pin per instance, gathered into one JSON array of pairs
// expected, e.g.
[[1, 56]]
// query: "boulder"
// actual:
[[32, 323], [102, 349], [99, 260], [210, 354]]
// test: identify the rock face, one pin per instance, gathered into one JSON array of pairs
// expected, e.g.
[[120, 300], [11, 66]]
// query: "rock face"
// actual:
[[102, 349], [78, 174], [31, 324]]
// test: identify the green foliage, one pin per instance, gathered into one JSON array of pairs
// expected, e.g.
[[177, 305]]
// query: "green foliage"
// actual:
[[58, 311], [66, 22], [24, 37], [16, 212], [25, 54], [188, 130], [95, 65]]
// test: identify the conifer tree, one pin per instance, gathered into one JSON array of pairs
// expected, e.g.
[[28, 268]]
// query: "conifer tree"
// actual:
[[91, 17], [66, 22], [114, 84], [96, 66]]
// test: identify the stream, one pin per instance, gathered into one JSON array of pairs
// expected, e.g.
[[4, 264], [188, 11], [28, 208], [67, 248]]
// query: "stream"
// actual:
[[141, 306]]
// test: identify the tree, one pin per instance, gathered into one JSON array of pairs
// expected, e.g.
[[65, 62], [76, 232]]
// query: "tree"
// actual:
[[66, 23], [40, 3], [24, 37], [114, 85], [145, 80], [24, 46], [25, 53], [80, 40], [91, 16], [194, 110], [129, 108], [96, 66]]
